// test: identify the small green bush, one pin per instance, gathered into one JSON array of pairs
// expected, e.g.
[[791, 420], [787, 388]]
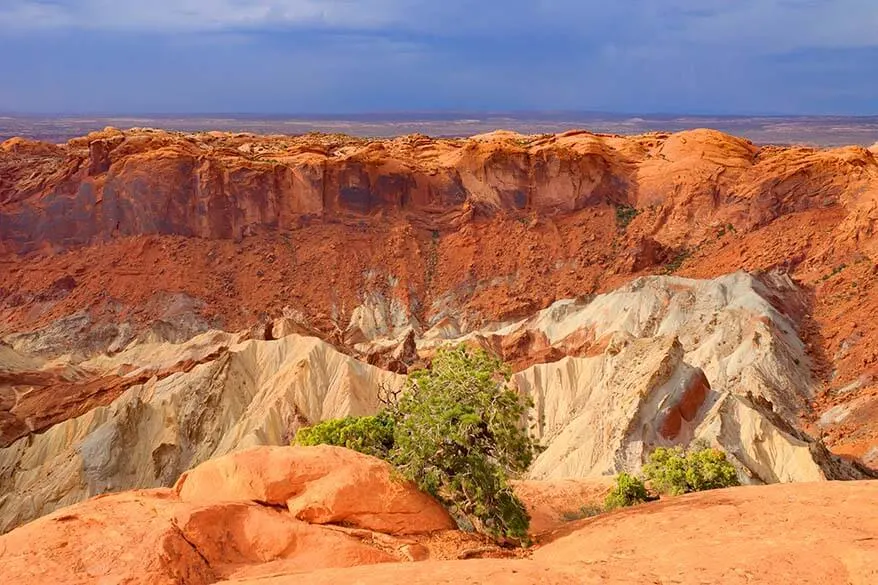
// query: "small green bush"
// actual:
[[677, 261], [674, 471], [372, 435], [628, 491], [588, 511], [625, 214]]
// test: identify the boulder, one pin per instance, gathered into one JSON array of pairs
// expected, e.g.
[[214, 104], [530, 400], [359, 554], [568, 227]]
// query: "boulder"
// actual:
[[151, 537], [116, 539], [320, 485], [227, 519], [241, 539]]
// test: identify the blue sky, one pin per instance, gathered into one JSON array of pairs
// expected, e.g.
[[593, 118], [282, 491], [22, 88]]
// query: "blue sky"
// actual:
[[346, 56]]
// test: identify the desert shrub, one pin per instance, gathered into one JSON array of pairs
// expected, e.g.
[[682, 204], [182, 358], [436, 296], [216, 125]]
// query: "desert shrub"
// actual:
[[627, 491], [460, 434], [677, 261], [372, 435], [587, 511], [625, 214], [457, 431], [675, 471]]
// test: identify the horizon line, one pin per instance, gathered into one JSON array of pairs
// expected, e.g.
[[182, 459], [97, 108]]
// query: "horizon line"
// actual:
[[415, 115]]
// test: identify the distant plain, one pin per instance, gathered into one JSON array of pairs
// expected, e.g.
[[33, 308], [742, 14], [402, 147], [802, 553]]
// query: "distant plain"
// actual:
[[784, 130]]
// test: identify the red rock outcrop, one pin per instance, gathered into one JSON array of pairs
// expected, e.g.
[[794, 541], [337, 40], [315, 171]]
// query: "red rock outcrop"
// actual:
[[238, 516], [112, 184], [49, 399], [814, 533], [553, 504], [319, 485]]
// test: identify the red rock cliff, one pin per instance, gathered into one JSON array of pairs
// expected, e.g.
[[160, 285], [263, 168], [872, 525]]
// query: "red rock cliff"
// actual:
[[216, 186]]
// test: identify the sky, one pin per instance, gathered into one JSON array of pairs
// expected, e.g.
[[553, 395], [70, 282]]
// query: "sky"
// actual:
[[361, 56]]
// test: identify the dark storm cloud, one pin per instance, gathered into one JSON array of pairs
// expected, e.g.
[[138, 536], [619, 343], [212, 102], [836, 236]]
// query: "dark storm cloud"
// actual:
[[784, 56]]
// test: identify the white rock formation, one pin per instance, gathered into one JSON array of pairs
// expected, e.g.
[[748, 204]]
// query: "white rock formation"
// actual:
[[672, 360], [253, 393]]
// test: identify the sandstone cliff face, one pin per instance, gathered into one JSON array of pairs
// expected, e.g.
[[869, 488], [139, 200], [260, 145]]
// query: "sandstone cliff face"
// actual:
[[112, 184]]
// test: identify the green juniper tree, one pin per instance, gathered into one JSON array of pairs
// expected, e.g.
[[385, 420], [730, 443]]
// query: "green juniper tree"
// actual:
[[458, 431]]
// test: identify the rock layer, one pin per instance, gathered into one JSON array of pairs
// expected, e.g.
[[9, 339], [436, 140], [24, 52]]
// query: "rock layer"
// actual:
[[116, 183], [415, 232], [672, 361], [319, 485]]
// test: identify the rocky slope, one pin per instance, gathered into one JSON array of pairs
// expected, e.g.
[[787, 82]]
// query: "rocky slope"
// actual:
[[126, 255], [288, 515], [242, 394], [662, 361]]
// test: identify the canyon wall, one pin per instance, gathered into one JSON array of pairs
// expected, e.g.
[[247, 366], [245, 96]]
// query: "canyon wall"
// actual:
[[169, 297]]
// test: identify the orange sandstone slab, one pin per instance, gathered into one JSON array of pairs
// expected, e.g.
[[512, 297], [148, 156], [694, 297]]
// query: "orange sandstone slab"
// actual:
[[320, 485]]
